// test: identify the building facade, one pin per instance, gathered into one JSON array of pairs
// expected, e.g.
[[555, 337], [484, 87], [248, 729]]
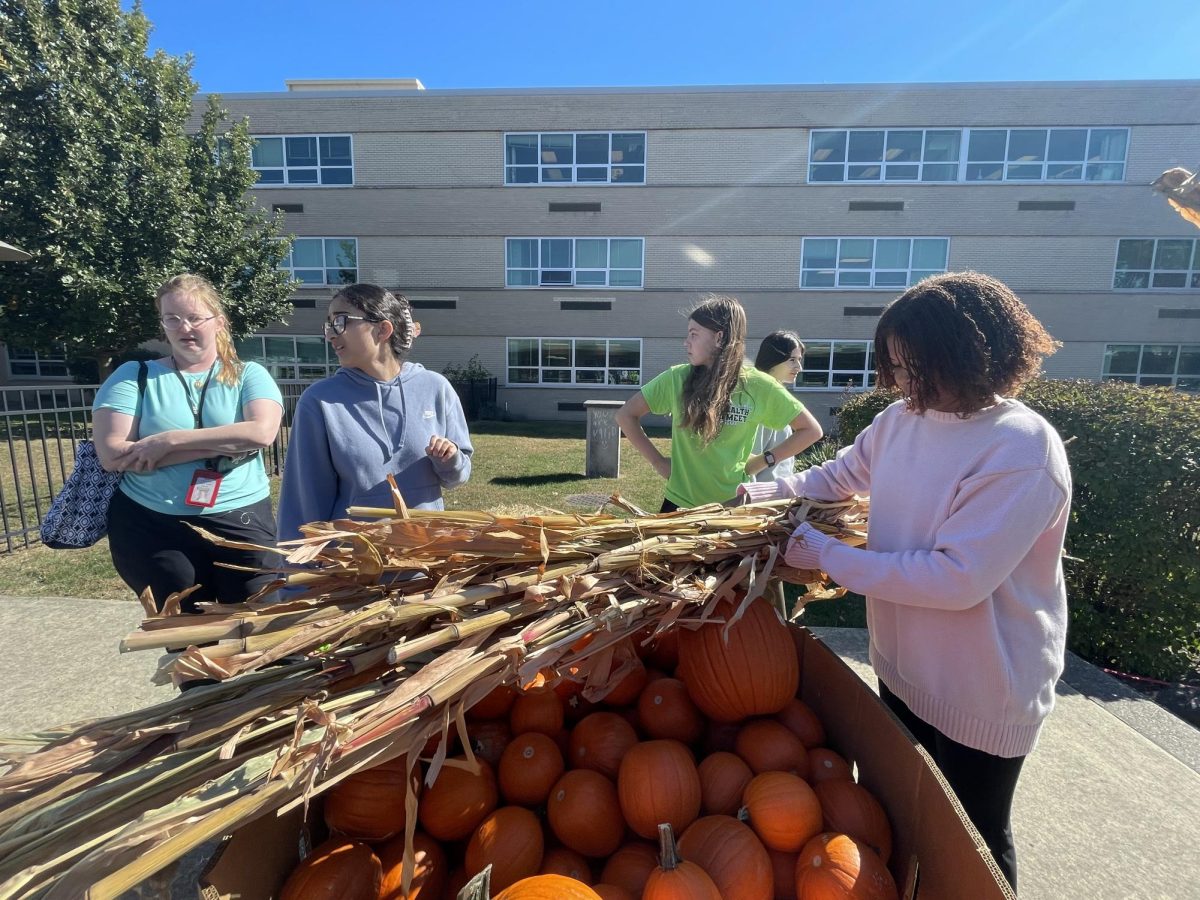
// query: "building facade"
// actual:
[[560, 235]]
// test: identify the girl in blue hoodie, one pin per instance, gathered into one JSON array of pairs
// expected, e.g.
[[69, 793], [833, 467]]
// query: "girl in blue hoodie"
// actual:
[[378, 414]]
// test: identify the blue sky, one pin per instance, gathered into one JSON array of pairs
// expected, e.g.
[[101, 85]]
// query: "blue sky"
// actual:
[[253, 45]]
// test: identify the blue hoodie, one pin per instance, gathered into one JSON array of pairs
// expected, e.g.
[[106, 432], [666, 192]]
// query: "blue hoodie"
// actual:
[[349, 431]]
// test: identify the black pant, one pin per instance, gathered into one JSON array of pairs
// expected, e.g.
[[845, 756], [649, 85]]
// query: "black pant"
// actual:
[[160, 551], [668, 506], [983, 783]]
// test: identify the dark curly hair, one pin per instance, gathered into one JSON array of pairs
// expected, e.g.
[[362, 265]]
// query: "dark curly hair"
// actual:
[[965, 338], [381, 305]]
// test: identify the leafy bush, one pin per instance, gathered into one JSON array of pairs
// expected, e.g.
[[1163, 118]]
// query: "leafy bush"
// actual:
[[474, 371], [1133, 579]]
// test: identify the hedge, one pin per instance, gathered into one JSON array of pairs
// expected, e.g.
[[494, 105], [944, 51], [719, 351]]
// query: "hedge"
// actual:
[[1133, 567]]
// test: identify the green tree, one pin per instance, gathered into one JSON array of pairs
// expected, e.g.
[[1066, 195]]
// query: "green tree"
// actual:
[[107, 180]]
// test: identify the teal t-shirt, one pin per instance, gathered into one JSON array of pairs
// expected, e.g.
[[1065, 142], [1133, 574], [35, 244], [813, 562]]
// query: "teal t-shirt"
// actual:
[[167, 407], [711, 473]]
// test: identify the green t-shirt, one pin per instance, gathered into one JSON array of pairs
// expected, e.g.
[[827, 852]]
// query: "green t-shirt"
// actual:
[[711, 473]]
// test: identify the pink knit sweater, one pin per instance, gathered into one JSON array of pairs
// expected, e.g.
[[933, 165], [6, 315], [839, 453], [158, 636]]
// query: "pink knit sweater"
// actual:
[[966, 604]]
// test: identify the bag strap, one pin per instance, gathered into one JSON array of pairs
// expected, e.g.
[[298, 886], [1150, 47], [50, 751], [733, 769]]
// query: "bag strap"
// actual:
[[143, 371]]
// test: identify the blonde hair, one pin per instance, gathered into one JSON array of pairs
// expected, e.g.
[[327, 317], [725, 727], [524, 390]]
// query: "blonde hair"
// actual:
[[200, 288], [707, 390]]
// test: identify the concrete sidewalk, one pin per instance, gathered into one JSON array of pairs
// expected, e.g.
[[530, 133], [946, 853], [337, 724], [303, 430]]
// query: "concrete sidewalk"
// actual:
[[1108, 807]]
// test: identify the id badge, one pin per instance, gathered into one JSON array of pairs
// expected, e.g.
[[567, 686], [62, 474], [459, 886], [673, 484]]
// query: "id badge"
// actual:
[[203, 489]]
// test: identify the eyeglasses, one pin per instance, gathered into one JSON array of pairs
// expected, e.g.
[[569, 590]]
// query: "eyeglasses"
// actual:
[[174, 323], [337, 325]]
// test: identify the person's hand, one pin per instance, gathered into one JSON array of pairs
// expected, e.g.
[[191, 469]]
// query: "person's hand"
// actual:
[[441, 449], [755, 464], [662, 466], [803, 551], [144, 455]]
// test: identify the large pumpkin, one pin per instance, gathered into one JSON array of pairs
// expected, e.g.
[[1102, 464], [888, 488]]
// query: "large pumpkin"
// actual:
[[510, 839], [430, 870], [548, 887], [369, 805], [782, 809], [751, 669], [630, 866], [538, 709], [584, 813], [851, 809], [732, 856], [666, 711], [600, 741], [675, 878], [798, 717], [458, 801], [658, 783], [336, 870], [723, 780], [837, 867], [530, 766], [767, 746]]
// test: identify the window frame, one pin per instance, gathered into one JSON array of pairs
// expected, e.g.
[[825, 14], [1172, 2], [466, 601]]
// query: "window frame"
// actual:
[[1191, 274], [324, 267], [574, 164], [574, 269], [573, 384], [883, 163], [287, 183], [872, 269], [330, 365], [37, 358], [1140, 378], [868, 370]]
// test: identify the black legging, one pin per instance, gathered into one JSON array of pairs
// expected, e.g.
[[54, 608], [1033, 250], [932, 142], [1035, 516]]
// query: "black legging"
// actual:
[[983, 783]]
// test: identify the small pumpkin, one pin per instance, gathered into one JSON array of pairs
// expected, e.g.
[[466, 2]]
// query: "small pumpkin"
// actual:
[[584, 813], [851, 809], [675, 878], [548, 887], [731, 854], [489, 738], [537, 709], [837, 866], [565, 861], [629, 686], [798, 717], [336, 870], [630, 866], [452, 808], [369, 805], [783, 867], [658, 783], [511, 841], [600, 741], [663, 651], [767, 746], [430, 870], [826, 765], [782, 809], [723, 780], [494, 705], [530, 766], [612, 892], [666, 711]]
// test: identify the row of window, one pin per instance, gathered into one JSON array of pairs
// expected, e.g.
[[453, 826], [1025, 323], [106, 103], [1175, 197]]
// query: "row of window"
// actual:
[[859, 155], [825, 263]]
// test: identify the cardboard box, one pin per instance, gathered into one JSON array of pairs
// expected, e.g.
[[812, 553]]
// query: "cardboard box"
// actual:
[[936, 854]]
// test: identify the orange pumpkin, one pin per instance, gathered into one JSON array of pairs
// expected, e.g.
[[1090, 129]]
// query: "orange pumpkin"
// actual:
[[489, 738], [767, 746], [666, 711], [658, 783], [494, 705], [798, 717], [750, 669], [837, 866], [826, 765], [676, 879], [564, 861], [629, 687], [782, 809], [336, 870], [630, 866], [723, 780], [600, 741], [528, 769], [612, 892], [733, 857], [584, 813], [548, 887], [458, 801], [538, 709], [663, 653], [851, 809], [430, 870], [369, 805], [783, 866], [511, 841]]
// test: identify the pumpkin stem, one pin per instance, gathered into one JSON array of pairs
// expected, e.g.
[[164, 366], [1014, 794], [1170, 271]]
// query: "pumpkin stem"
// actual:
[[668, 853]]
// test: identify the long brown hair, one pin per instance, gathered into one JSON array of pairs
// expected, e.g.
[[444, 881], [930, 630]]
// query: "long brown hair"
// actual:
[[965, 334], [707, 389], [200, 288]]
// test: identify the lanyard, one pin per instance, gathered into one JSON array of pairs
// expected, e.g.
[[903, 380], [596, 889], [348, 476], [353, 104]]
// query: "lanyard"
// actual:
[[197, 408]]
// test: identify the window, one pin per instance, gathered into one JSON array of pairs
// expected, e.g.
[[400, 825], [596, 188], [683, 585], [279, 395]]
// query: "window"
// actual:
[[594, 362], [573, 262], [837, 364], [1146, 263], [617, 157], [316, 260], [870, 263], [303, 160], [892, 155], [992, 154], [285, 356], [39, 363], [1154, 364]]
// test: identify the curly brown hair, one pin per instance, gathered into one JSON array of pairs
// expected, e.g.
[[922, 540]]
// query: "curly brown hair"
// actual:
[[965, 337], [707, 389]]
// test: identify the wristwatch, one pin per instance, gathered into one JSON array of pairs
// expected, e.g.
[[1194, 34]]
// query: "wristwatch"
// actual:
[[769, 457]]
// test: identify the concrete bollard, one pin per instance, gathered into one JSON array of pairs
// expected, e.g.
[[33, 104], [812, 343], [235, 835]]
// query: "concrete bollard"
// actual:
[[603, 438]]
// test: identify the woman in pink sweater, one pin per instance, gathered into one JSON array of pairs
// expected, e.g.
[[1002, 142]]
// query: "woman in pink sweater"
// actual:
[[970, 495]]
